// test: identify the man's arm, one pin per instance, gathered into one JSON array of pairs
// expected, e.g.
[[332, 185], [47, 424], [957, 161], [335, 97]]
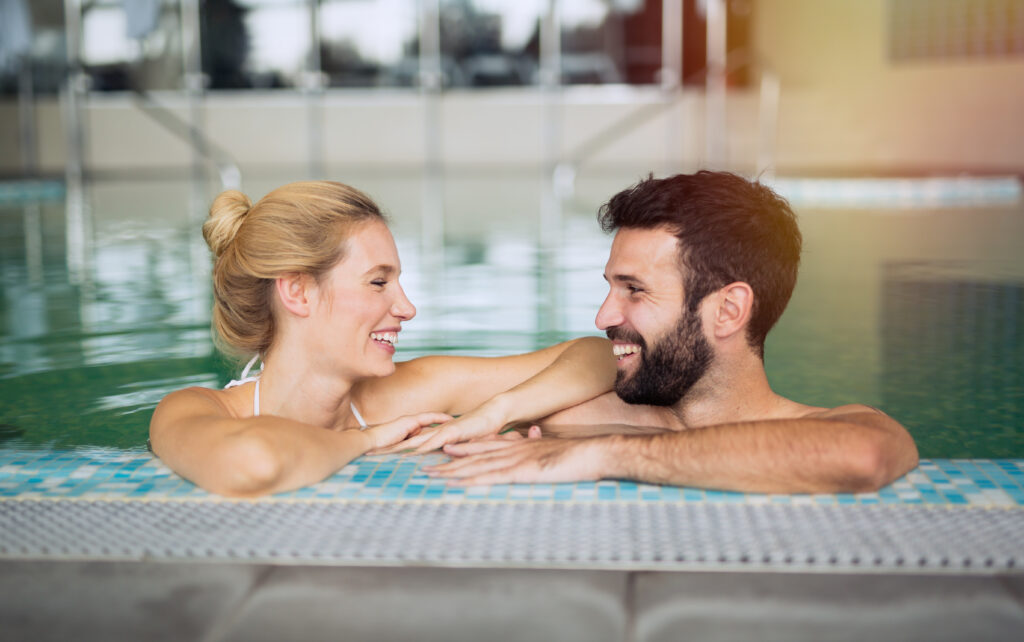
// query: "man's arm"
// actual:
[[847, 449]]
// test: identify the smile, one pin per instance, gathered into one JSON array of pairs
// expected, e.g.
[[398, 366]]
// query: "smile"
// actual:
[[388, 338], [623, 350]]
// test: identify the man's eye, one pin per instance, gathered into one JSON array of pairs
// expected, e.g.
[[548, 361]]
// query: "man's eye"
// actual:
[[633, 289]]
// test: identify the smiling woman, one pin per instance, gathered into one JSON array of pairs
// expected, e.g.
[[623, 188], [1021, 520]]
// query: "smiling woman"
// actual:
[[307, 280]]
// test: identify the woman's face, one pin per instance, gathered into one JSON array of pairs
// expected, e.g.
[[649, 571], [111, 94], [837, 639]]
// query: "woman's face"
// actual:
[[359, 305]]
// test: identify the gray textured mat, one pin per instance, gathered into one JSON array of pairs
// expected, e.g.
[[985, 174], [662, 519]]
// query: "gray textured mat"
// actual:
[[568, 535]]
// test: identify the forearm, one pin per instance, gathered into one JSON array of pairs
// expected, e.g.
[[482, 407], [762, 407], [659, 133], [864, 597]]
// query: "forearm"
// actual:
[[800, 455], [265, 455], [581, 372]]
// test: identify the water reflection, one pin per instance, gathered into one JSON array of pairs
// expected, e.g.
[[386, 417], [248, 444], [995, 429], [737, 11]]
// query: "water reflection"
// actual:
[[953, 345], [877, 316]]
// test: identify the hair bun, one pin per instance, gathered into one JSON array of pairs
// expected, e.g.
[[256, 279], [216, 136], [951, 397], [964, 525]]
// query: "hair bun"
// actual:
[[226, 215]]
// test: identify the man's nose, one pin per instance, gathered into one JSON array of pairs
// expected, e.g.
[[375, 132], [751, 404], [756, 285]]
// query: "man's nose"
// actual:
[[609, 315]]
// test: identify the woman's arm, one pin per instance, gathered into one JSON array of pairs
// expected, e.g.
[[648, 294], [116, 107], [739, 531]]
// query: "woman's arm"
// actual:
[[491, 393], [198, 439]]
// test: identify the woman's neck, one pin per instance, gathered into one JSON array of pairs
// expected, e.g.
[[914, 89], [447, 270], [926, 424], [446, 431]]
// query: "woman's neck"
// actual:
[[298, 389]]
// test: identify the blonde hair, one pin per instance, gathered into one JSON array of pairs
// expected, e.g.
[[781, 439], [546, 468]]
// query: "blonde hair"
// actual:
[[298, 228]]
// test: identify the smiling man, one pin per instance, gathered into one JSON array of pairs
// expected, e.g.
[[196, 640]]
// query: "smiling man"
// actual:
[[701, 268]]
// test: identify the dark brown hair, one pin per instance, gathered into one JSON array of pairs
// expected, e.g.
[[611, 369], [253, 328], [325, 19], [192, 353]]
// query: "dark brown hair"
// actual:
[[729, 229]]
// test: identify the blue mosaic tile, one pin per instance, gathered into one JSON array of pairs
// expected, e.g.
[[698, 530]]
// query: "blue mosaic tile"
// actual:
[[140, 477]]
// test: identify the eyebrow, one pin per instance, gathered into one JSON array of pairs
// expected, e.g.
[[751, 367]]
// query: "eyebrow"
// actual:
[[624, 279], [383, 268]]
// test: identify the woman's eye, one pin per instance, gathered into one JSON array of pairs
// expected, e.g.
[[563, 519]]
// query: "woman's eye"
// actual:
[[379, 283]]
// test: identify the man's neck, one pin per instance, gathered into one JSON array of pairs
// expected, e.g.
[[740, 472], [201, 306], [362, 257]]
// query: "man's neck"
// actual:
[[732, 390]]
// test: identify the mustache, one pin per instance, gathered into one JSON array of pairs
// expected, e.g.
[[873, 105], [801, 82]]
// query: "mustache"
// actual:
[[618, 333]]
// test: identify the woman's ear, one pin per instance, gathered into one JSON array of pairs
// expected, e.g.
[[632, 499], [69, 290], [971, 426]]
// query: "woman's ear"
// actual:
[[735, 305], [294, 291]]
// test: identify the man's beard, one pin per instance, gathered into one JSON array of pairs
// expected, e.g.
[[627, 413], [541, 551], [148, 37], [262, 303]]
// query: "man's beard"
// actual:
[[669, 368]]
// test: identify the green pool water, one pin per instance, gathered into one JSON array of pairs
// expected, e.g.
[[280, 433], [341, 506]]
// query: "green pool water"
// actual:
[[918, 312]]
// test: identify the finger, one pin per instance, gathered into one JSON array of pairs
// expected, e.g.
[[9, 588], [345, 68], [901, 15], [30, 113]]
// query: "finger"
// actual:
[[516, 474], [427, 418], [406, 444], [477, 447], [449, 434], [418, 438], [472, 466]]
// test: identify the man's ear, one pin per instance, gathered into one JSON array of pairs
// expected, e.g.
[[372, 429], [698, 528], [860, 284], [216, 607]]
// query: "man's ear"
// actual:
[[294, 291], [735, 305]]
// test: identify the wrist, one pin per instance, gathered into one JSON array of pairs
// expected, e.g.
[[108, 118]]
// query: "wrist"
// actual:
[[499, 410], [365, 439]]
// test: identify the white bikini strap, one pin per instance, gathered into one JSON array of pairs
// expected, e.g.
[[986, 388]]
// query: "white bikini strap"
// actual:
[[245, 378], [248, 366], [359, 417]]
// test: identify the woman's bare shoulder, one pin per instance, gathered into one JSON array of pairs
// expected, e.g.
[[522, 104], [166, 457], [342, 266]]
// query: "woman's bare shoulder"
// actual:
[[196, 400]]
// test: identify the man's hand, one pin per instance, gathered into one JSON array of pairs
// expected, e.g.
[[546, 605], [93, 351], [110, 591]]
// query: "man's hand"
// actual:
[[533, 460]]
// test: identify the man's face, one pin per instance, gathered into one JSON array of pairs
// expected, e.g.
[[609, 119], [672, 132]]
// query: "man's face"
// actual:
[[661, 348]]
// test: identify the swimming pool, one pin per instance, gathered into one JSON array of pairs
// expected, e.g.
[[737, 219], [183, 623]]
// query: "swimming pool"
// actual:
[[919, 311]]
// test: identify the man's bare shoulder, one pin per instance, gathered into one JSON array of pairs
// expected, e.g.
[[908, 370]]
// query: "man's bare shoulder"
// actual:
[[608, 408], [858, 414]]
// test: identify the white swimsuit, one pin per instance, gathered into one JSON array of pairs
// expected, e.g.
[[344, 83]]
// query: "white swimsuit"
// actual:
[[246, 378]]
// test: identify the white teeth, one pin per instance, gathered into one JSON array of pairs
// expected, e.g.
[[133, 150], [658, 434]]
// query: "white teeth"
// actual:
[[620, 350], [387, 337]]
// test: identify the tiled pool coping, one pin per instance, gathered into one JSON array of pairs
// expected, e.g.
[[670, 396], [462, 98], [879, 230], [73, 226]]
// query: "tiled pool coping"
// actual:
[[960, 516], [100, 475]]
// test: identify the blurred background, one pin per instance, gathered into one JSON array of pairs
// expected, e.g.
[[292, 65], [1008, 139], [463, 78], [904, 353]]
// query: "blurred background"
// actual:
[[491, 131]]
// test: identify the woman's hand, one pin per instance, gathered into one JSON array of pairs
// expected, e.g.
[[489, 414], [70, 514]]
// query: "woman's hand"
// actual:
[[483, 421], [388, 434]]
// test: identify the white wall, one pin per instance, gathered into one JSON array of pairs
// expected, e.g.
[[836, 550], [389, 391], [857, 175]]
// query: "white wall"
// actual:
[[494, 129], [845, 106]]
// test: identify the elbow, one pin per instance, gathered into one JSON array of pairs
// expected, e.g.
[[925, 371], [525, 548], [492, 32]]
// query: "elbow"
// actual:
[[597, 345], [879, 461], [246, 467]]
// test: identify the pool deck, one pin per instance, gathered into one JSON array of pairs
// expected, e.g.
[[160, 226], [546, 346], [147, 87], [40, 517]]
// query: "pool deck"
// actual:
[[95, 600], [113, 546]]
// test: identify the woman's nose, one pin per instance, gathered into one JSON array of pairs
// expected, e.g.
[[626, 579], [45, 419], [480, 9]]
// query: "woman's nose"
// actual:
[[403, 307]]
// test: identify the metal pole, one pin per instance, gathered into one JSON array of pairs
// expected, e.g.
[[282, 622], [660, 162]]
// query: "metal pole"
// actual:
[[671, 77], [76, 217], [716, 153], [768, 124], [314, 88], [556, 179], [194, 85], [432, 222], [551, 86], [73, 86], [27, 118]]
